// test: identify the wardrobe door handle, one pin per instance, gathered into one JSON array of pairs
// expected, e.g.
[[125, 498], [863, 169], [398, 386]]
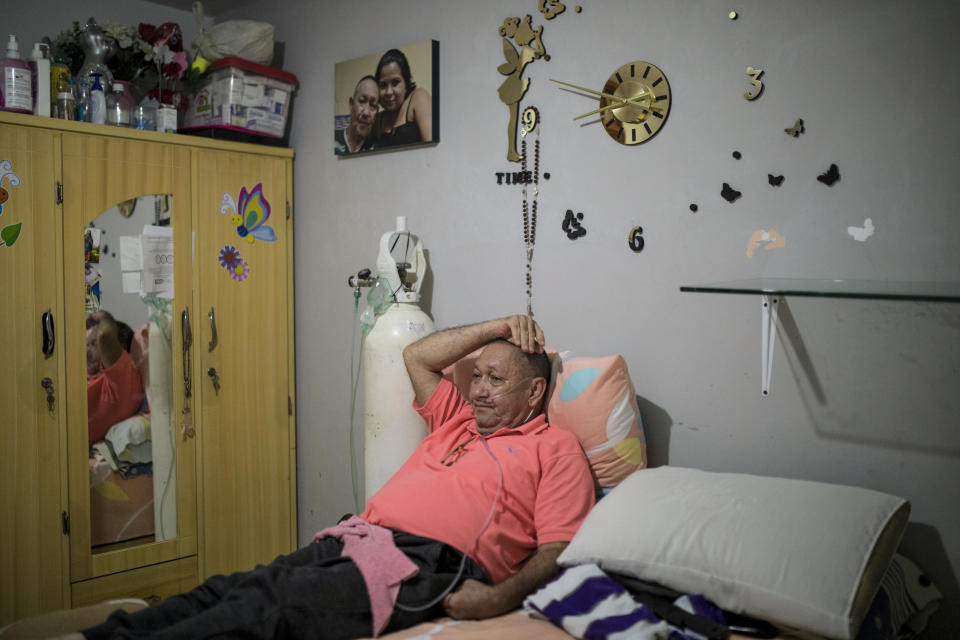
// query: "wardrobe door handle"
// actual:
[[213, 331], [46, 321]]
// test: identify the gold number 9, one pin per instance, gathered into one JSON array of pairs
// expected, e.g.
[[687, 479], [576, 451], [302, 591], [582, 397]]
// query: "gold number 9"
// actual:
[[530, 118]]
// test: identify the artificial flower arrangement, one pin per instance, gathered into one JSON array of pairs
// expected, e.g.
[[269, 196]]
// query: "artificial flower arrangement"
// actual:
[[151, 58]]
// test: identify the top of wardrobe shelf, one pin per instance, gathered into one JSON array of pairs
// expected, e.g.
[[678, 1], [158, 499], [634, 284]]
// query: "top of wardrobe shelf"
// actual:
[[71, 126]]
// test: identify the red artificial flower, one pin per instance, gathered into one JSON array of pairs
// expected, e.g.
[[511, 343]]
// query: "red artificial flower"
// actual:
[[147, 31], [172, 70], [169, 32]]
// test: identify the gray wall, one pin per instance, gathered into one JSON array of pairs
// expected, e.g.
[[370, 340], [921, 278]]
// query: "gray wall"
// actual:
[[863, 392]]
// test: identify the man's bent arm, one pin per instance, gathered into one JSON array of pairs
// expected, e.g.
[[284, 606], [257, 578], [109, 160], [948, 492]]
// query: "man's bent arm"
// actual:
[[429, 356], [476, 600]]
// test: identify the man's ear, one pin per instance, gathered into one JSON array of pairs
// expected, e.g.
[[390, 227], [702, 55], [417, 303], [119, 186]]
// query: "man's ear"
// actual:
[[538, 389]]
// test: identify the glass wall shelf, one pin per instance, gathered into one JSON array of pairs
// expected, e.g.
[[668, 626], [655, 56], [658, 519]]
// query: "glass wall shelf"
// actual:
[[826, 288], [771, 290]]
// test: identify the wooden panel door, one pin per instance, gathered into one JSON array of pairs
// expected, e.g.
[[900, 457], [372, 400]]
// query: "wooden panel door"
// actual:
[[245, 395], [100, 172], [33, 546]]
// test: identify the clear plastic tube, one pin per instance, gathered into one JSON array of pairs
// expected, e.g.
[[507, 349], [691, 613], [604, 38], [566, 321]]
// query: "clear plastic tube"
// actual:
[[354, 384], [476, 537]]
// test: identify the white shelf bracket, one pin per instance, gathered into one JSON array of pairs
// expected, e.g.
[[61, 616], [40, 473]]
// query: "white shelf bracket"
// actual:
[[768, 338]]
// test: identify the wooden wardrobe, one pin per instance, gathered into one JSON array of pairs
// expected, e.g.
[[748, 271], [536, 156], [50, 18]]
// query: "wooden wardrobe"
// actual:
[[221, 323]]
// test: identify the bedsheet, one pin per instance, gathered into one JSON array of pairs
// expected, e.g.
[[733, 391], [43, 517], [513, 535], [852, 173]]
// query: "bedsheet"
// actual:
[[511, 626]]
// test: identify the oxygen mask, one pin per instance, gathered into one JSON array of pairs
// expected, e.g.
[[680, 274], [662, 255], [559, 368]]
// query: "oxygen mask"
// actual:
[[379, 299]]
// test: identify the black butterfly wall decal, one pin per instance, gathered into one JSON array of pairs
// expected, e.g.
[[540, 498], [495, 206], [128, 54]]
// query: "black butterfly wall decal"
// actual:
[[729, 193], [831, 176], [775, 181]]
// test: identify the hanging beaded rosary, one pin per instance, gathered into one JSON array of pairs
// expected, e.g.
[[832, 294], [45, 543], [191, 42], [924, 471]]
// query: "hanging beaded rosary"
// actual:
[[531, 120]]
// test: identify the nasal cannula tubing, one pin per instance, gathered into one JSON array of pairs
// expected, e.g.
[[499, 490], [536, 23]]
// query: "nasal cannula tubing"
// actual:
[[463, 562]]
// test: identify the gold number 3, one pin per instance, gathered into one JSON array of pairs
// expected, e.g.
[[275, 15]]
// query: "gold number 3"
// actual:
[[755, 81]]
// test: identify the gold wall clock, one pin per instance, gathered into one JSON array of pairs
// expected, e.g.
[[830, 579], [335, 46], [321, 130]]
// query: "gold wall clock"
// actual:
[[634, 102]]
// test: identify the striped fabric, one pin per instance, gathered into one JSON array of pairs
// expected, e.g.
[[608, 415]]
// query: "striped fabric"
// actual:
[[588, 604]]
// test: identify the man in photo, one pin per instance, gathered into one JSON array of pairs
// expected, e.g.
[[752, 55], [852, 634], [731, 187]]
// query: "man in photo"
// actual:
[[363, 107]]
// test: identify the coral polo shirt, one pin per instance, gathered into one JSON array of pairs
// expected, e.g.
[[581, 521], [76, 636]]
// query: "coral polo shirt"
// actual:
[[113, 395], [547, 486]]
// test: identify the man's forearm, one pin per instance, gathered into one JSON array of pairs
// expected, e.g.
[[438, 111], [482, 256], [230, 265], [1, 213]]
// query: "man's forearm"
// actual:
[[439, 350], [537, 571], [430, 355], [478, 600]]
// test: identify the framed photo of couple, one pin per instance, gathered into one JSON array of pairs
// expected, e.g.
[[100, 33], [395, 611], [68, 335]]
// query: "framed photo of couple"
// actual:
[[388, 100]]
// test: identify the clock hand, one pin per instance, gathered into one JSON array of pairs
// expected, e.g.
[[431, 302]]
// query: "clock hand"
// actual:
[[615, 105], [596, 93], [623, 103]]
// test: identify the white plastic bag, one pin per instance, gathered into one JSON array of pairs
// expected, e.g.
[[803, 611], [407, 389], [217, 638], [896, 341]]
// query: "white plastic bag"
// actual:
[[247, 39]]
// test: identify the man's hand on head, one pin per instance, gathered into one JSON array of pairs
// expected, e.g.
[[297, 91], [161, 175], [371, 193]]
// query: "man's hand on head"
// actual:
[[523, 331]]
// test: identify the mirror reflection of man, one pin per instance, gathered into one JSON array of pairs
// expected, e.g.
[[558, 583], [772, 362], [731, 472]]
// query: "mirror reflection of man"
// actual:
[[114, 388], [363, 107]]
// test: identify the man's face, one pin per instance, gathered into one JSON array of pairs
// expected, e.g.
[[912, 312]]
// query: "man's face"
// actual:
[[499, 393], [363, 106], [93, 352]]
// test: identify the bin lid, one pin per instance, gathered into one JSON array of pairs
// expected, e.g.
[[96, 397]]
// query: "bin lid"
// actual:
[[255, 67]]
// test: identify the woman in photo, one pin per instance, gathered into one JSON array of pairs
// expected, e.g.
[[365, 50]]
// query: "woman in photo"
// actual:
[[406, 114]]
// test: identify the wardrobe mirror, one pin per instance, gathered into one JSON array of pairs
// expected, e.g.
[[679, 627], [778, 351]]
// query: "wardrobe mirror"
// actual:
[[128, 264]]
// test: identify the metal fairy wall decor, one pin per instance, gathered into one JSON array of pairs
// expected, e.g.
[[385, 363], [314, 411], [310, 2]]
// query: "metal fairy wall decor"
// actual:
[[522, 44]]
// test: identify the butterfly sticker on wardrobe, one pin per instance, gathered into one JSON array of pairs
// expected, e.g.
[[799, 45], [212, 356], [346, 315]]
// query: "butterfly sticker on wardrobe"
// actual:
[[250, 214]]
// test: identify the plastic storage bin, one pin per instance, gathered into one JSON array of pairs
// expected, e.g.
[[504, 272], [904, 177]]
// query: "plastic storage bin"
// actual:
[[244, 97]]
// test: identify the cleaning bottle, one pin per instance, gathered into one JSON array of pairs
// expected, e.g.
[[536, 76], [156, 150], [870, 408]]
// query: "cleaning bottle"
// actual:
[[17, 88], [83, 102], [40, 68], [64, 106], [98, 101], [57, 69]]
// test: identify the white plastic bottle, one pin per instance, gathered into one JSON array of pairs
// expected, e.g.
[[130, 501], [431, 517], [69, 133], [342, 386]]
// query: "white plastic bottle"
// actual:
[[119, 106], [98, 101], [17, 87], [40, 67]]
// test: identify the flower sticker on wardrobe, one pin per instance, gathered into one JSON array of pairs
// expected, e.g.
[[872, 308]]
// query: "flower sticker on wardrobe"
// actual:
[[10, 232], [228, 257], [238, 268], [241, 270]]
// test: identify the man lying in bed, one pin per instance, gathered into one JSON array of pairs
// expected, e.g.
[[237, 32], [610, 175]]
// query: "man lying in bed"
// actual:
[[492, 479]]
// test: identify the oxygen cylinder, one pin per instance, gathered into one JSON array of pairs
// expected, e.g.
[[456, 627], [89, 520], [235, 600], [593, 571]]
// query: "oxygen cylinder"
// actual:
[[392, 429]]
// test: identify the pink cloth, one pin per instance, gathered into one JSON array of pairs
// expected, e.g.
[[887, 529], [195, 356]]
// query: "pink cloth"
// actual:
[[381, 564]]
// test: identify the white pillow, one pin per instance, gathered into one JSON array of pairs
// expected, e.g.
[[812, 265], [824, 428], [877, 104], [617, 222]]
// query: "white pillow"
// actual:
[[801, 554]]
